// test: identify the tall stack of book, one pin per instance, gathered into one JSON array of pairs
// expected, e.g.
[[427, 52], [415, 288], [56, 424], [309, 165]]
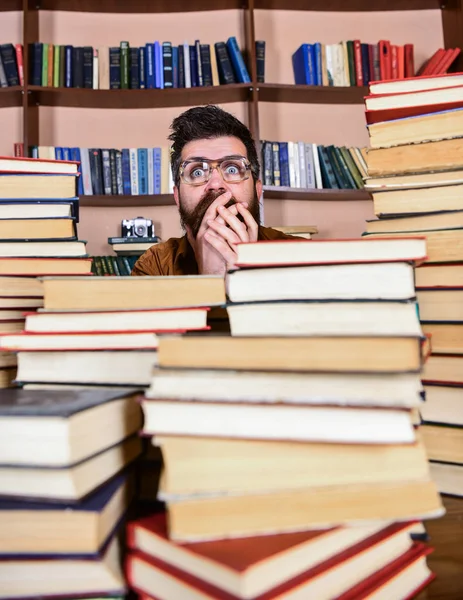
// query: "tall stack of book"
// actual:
[[38, 236], [291, 464], [65, 490], [415, 169]]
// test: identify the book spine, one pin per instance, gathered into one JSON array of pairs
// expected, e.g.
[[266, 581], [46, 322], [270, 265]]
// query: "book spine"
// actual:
[[175, 67], [198, 63], [56, 65], [214, 68], [329, 56], [142, 171], [150, 169], [113, 171], [345, 168], [96, 171], [400, 62], [96, 68], [62, 66], [157, 170], [127, 188], [142, 67], [317, 169], [124, 50], [86, 172], [358, 63], [365, 64], [223, 63], [193, 66], [292, 170], [206, 68], [181, 67], [295, 159], [186, 65], [134, 81], [78, 67], [134, 171], [149, 61], [75, 155], [237, 60], [317, 52], [309, 167], [50, 66], [115, 68], [351, 61], [10, 67], [59, 154], [394, 62], [44, 75], [67, 153], [371, 62], [3, 79], [158, 66], [19, 149], [119, 180], [284, 165], [409, 60], [341, 178], [68, 68], [260, 60], [329, 179], [88, 66], [385, 59], [302, 165], [167, 64], [35, 57], [376, 63], [276, 164], [267, 163], [20, 62]]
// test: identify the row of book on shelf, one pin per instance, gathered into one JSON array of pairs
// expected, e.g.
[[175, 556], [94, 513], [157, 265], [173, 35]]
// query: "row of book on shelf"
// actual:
[[312, 166], [354, 63], [155, 65]]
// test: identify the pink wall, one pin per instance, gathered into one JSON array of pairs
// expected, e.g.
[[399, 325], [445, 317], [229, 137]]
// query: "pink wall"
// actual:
[[284, 31]]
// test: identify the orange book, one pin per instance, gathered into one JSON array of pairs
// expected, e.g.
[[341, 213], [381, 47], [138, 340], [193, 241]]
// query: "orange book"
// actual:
[[394, 62], [50, 66], [428, 67], [400, 62], [409, 60], [446, 61]]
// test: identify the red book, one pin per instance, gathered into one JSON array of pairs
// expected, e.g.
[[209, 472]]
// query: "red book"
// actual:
[[391, 114], [400, 62], [19, 60], [447, 60], [9, 164], [385, 63], [158, 579], [18, 149], [409, 60], [394, 62], [432, 62], [358, 62]]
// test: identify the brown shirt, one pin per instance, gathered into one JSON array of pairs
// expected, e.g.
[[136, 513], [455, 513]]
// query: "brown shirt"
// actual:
[[176, 256]]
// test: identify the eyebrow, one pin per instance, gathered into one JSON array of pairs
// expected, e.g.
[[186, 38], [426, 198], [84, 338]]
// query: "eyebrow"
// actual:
[[203, 159]]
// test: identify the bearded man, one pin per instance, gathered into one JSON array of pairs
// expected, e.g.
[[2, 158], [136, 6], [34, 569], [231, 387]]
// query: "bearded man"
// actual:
[[217, 189]]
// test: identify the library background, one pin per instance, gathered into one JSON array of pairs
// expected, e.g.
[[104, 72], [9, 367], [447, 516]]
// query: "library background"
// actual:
[[295, 429]]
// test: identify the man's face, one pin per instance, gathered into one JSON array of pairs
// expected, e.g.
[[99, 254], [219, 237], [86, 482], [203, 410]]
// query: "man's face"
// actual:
[[193, 201]]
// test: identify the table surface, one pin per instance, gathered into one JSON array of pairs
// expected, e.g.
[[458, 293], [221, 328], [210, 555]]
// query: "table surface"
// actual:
[[446, 537]]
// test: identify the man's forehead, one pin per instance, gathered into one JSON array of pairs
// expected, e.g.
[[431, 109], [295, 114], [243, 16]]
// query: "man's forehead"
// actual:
[[214, 148]]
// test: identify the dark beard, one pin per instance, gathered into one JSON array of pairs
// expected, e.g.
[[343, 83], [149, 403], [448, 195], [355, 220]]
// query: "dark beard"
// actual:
[[193, 219]]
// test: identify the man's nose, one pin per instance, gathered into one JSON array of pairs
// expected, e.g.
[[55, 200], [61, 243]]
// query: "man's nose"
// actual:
[[216, 182]]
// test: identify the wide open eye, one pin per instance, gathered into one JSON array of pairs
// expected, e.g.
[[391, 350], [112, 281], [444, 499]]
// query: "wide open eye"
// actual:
[[196, 172], [233, 170]]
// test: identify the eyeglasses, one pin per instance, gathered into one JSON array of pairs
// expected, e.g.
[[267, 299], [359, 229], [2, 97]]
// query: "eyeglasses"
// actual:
[[233, 169]]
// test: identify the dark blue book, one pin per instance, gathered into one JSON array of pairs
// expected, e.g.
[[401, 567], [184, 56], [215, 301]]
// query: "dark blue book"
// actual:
[[10, 66], [312, 65], [134, 69], [68, 75], [239, 66], [181, 67], [35, 63], [318, 63], [59, 154], [75, 155], [158, 66], [206, 67], [78, 67], [260, 60], [300, 58], [193, 67], [157, 170], [224, 66], [119, 180], [142, 67], [167, 64], [149, 66], [125, 159], [96, 171], [175, 66], [365, 63], [142, 171], [115, 68], [284, 165], [88, 67], [328, 177]]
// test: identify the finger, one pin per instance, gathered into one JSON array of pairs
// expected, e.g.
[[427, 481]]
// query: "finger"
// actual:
[[235, 224], [221, 246], [250, 222], [225, 232], [233, 209], [211, 212]]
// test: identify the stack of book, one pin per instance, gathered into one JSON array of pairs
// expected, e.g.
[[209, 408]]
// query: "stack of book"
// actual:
[[309, 166], [65, 488], [415, 167], [156, 65], [104, 330], [291, 465], [38, 236]]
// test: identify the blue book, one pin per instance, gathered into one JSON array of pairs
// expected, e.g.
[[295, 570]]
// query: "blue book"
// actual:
[[67, 154], [75, 154], [317, 48], [59, 154], [175, 66], [141, 67], [301, 65], [115, 68], [158, 66], [312, 65], [157, 170], [365, 63], [284, 164], [193, 67], [68, 66], [126, 172], [36, 63], [237, 60], [142, 171], [149, 66]]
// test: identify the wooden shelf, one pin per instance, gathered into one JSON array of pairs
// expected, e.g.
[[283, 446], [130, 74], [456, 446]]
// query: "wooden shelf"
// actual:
[[7, 5], [11, 96], [137, 6], [127, 201], [311, 94], [348, 5], [286, 193], [87, 98]]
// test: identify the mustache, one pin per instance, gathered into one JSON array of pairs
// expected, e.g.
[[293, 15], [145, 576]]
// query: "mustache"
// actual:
[[196, 216]]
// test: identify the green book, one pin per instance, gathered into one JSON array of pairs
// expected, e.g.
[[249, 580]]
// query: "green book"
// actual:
[[125, 49], [357, 177], [56, 57], [351, 61], [45, 65], [62, 66]]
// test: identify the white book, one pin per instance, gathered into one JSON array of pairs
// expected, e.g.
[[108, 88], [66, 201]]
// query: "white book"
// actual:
[[338, 65], [171, 179], [86, 173], [318, 172], [302, 165], [345, 63], [291, 163], [95, 69], [186, 64], [150, 171], [103, 68], [309, 168], [297, 172], [133, 155], [330, 63]]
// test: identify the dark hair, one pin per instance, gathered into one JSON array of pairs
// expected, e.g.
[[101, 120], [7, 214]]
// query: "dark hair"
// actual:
[[208, 122]]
